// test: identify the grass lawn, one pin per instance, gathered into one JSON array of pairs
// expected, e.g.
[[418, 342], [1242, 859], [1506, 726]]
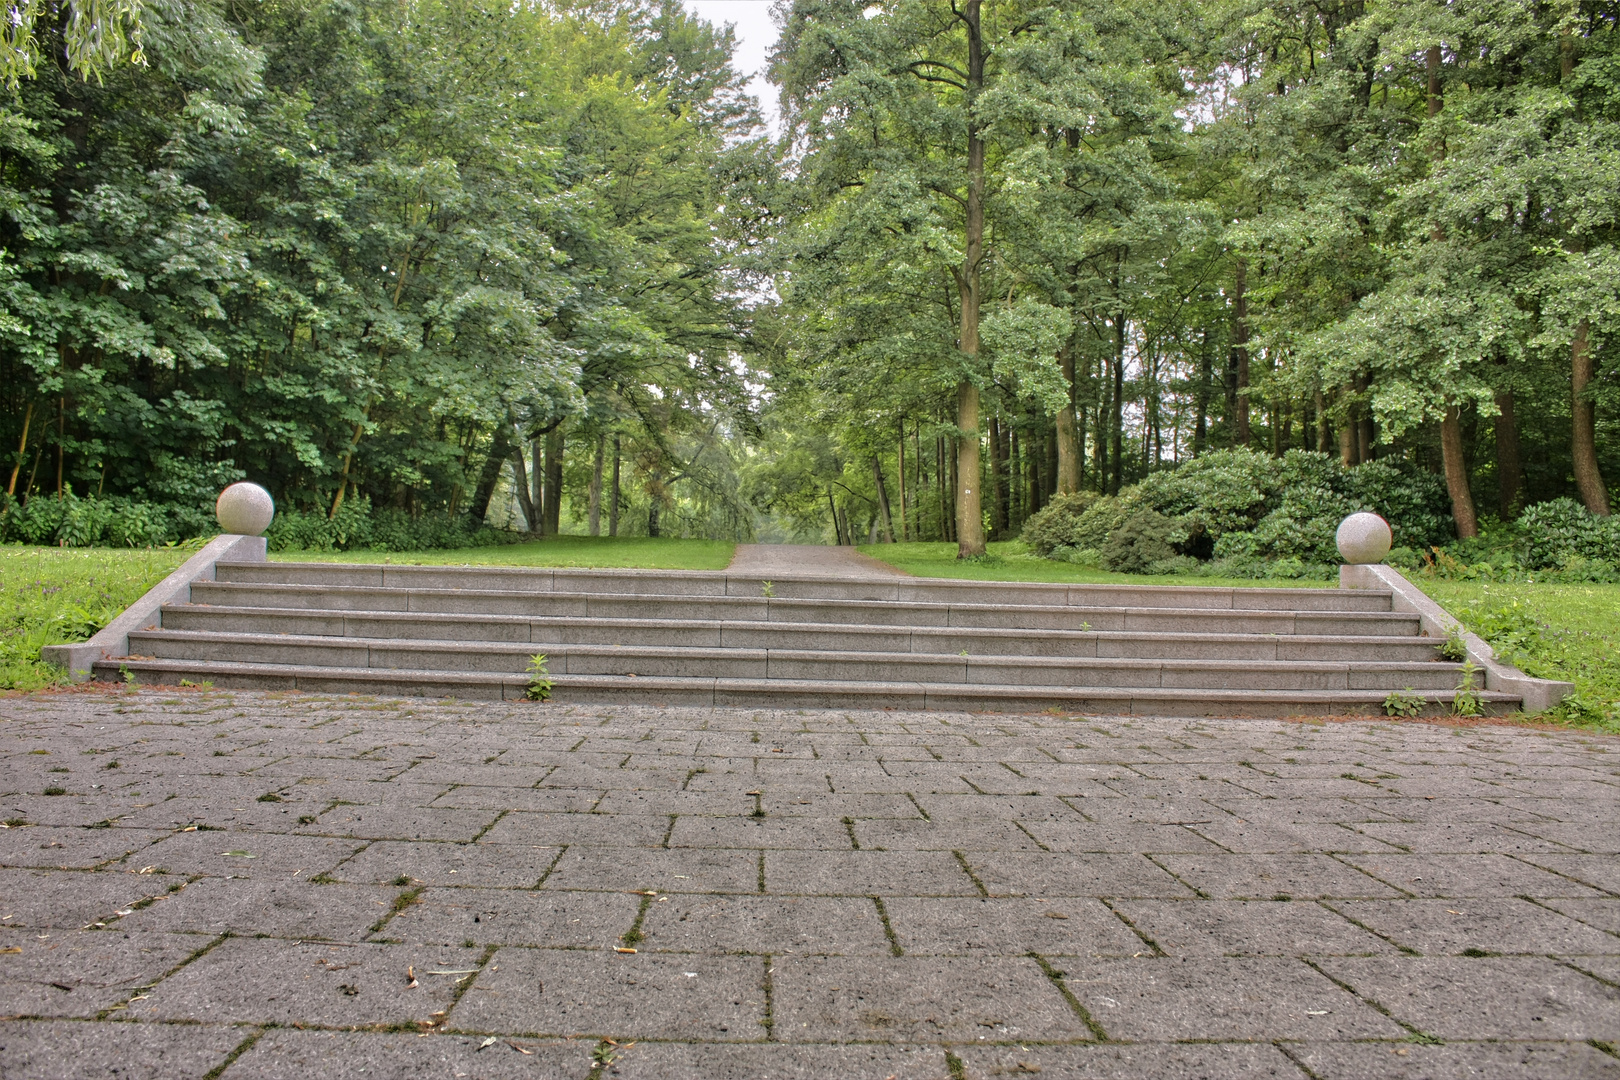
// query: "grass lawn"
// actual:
[[1011, 561], [639, 552], [1569, 632], [49, 596]]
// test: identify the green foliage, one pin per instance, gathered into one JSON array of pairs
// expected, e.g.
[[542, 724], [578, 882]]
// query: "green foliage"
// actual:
[[1455, 647], [111, 522], [358, 526], [1404, 703], [539, 678], [1567, 632], [1558, 532], [1466, 700], [1054, 525], [1143, 539], [51, 596]]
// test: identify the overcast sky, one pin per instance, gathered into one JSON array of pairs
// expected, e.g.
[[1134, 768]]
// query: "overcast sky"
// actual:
[[755, 36]]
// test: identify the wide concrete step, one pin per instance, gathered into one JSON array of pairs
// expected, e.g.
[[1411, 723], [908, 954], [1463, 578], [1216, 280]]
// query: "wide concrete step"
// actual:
[[809, 636], [331, 602], [719, 583], [792, 664], [775, 693]]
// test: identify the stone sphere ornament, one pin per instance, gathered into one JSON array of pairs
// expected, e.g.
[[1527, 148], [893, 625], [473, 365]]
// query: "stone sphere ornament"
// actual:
[[245, 509], [1364, 538]]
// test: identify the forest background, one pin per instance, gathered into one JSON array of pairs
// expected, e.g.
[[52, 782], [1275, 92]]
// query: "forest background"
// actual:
[[1178, 272]]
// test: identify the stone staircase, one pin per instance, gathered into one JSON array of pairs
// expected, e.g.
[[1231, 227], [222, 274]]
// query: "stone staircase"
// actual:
[[717, 638]]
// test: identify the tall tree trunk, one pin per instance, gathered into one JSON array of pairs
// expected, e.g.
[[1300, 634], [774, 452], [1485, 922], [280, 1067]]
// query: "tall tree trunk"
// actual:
[[885, 519], [998, 482], [1509, 467], [1049, 466], [969, 504], [500, 448], [1451, 451], [552, 511], [1069, 448], [1324, 424], [1205, 387], [900, 474], [613, 504], [1240, 353], [1116, 419], [520, 483], [838, 529], [343, 477], [61, 447], [537, 485], [1589, 482], [22, 450], [844, 534], [596, 486]]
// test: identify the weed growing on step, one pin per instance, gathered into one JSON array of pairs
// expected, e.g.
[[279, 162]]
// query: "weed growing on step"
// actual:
[[1467, 701], [1404, 703], [539, 678], [768, 588], [1455, 647]]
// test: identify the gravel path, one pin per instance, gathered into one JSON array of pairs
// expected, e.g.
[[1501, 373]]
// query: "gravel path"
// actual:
[[263, 885], [784, 559]]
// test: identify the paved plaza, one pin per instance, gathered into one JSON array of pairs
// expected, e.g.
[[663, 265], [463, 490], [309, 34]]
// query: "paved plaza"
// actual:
[[204, 883]]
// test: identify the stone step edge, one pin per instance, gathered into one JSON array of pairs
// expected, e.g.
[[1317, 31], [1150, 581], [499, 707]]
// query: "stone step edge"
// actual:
[[1191, 614], [722, 692], [753, 582], [562, 648], [270, 589]]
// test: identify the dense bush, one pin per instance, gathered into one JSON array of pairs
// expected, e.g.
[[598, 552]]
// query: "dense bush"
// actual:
[[1246, 509], [357, 525], [1558, 532], [99, 522]]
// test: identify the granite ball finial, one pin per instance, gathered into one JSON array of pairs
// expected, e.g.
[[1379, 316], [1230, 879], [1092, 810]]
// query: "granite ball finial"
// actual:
[[245, 509], [1364, 538]]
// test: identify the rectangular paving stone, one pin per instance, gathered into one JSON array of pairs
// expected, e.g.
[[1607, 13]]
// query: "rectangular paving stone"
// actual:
[[65, 1050], [1060, 874], [1003, 926], [1603, 914], [1242, 1061], [684, 870], [279, 908], [220, 854], [345, 1055], [779, 925], [1456, 1061], [719, 1061], [1448, 927], [480, 865], [866, 873], [909, 999], [546, 918], [264, 980], [613, 995], [68, 900], [72, 848], [740, 831], [1426, 874], [600, 830], [402, 823], [1249, 928], [1510, 997], [81, 972], [1219, 998], [1269, 877]]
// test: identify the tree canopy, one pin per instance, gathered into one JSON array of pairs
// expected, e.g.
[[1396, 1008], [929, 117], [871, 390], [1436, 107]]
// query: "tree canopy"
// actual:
[[544, 265]]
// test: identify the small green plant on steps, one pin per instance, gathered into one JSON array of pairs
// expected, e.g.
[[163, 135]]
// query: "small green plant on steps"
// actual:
[[1467, 701], [769, 589], [1455, 647], [1404, 703], [539, 678]]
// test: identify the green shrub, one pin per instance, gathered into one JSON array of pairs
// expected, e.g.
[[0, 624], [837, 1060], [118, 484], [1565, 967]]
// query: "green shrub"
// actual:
[[1559, 532], [357, 525], [1052, 526], [70, 521], [1142, 540]]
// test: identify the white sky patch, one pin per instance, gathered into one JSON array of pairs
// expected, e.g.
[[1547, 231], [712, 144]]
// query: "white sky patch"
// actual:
[[756, 33]]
